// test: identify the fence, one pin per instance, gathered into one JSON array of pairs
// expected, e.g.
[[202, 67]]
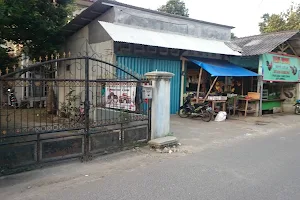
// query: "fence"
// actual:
[[68, 108]]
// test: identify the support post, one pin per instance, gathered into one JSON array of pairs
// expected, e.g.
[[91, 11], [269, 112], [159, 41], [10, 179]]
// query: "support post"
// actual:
[[211, 87], [86, 112], [260, 88], [199, 84], [298, 90], [242, 86], [183, 61], [160, 113]]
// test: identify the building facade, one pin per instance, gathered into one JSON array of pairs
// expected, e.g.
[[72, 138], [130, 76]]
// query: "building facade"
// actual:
[[142, 40]]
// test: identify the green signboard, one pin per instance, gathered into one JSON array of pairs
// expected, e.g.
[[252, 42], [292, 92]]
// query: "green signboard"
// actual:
[[280, 68]]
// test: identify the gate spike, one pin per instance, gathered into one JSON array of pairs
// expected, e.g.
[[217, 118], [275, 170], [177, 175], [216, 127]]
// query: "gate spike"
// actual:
[[0, 72], [69, 54], [6, 70], [40, 59], [52, 56], [14, 67], [57, 55], [64, 54], [34, 60], [46, 57]]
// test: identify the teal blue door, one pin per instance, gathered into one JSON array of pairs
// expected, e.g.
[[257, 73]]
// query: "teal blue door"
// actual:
[[143, 65]]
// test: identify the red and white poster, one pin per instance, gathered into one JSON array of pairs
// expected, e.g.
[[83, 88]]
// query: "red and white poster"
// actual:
[[120, 95]]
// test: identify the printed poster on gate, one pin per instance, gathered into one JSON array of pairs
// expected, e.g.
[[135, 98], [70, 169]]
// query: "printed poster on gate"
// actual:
[[120, 95], [280, 68]]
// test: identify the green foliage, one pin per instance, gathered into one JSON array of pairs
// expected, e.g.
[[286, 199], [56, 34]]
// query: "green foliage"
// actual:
[[288, 20], [35, 24], [70, 108], [176, 7], [5, 59], [124, 116]]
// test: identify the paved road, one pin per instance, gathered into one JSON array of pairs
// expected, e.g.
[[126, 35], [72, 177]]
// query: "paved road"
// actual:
[[263, 168]]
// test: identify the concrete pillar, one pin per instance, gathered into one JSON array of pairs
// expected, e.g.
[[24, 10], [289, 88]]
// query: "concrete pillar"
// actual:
[[160, 112], [298, 90]]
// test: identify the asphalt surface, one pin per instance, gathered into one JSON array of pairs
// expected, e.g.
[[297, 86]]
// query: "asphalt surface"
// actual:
[[263, 168]]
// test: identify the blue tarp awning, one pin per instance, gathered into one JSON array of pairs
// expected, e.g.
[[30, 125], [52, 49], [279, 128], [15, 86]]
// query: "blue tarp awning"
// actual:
[[222, 68]]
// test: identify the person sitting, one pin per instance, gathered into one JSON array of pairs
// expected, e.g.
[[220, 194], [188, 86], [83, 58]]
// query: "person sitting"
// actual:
[[219, 87]]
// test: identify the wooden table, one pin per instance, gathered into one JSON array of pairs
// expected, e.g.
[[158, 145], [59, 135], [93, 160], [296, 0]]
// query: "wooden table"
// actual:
[[256, 101], [235, 99], [213, 102]]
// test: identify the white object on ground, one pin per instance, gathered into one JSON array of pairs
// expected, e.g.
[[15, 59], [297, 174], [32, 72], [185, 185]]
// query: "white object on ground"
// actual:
[[221, 116]]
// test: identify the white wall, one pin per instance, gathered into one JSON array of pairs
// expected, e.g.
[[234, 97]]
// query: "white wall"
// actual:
[[78, 45]]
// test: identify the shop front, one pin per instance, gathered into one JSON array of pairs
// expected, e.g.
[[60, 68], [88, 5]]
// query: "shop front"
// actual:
[[280, 75], [227, 87]]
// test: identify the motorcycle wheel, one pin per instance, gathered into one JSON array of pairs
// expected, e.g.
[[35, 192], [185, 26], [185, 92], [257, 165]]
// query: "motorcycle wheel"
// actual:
[[297, 110], [183, 113], [206, 116]]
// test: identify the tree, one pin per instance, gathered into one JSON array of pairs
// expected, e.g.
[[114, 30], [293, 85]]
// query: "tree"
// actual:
[[176, 7], [35, 24], [288, 20], [5, 59], [233, 36]]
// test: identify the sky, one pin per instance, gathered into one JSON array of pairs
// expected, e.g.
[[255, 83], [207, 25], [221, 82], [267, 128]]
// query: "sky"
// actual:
[[244, 15]]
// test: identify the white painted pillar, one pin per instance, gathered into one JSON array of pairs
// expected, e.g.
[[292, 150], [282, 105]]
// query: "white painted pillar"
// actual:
[[260, 87], [160, 108], [298, 90]]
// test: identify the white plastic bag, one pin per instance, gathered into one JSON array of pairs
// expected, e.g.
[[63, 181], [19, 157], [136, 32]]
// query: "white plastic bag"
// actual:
[[221, 116]]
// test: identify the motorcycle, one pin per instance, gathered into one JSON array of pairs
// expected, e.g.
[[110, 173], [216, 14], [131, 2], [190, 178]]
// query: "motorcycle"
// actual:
[[201, 110], [297, 107], [12, 99]]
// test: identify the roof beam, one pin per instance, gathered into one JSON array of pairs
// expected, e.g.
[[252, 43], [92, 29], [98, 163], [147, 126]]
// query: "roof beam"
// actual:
[[293, 50], [78, 25], [284, 47], [95, 12], [66, 30], [86, 19]]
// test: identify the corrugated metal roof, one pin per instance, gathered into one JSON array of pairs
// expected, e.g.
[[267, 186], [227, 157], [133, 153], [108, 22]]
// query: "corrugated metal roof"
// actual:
[[121, 33], [260, 44]]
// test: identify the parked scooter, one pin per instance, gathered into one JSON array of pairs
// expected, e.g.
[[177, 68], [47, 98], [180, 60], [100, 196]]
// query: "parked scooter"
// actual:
[[201, 110], [297, 107], [12, 100]]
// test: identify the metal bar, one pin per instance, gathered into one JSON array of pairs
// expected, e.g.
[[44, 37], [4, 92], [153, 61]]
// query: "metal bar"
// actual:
[[40, 64], [149, 118], [86, 109], [71, 80], [1, 104], [183, 61], [107, 63]]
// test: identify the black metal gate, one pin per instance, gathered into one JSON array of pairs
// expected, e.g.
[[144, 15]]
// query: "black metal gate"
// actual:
[[69, 107]]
